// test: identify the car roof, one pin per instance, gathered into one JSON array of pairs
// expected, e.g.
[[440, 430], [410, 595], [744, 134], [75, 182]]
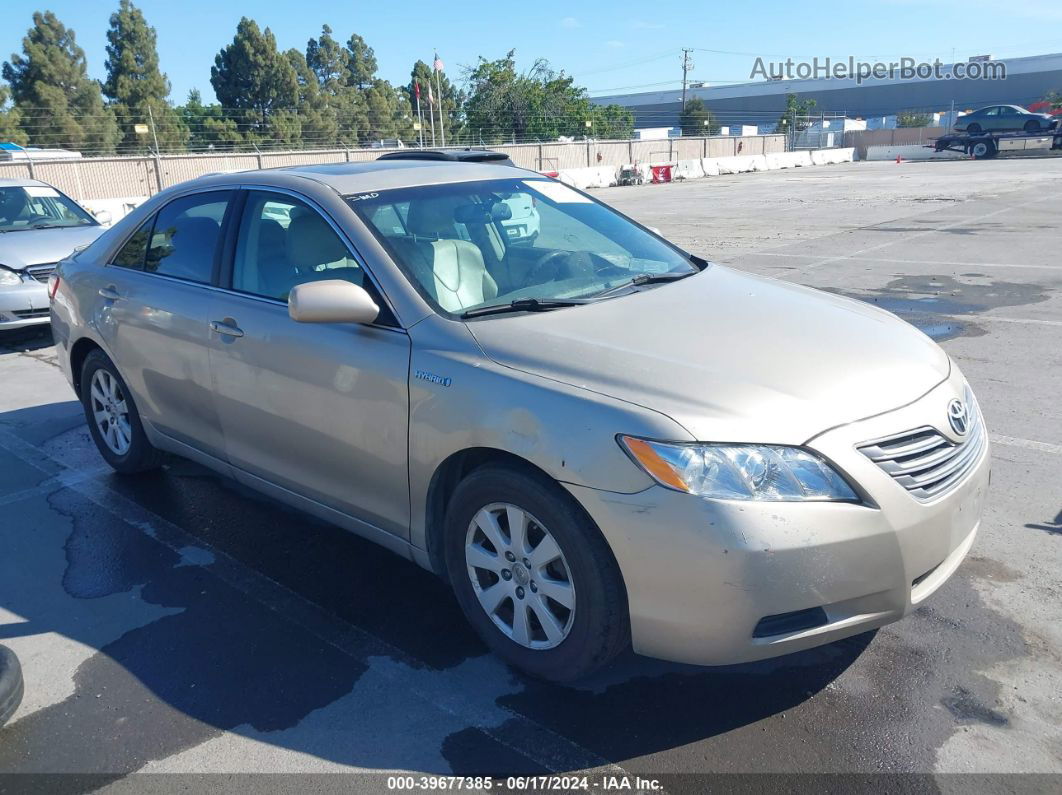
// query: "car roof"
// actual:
[[22, 182], [373, 175]]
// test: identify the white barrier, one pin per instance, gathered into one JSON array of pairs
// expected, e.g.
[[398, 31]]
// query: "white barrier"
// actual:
[[603, 177], [827, 157], [118, 208], [688, 169], [593, 177], [740, 164], [911, 152], [788, 159]]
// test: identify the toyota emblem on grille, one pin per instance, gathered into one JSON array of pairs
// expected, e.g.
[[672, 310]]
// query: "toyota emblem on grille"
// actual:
[[958, 417]]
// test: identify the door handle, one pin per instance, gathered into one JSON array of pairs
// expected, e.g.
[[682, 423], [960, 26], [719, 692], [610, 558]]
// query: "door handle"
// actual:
[[109, 293], [224, 328]]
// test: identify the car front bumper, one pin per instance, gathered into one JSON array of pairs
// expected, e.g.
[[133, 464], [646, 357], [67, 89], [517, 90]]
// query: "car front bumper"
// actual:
[[24, 304], [702, 574]]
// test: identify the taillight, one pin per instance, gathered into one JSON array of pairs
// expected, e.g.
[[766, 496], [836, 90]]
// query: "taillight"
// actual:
[[53, 286]]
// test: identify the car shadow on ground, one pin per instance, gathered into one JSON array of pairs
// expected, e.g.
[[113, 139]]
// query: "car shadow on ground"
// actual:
[[31, 338], [181, 655]]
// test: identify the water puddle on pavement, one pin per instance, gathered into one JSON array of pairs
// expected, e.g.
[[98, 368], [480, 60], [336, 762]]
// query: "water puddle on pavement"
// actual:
[[940, 306]]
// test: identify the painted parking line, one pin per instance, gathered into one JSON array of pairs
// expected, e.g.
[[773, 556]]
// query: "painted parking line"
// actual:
[[516, 732], [889, 261], [924, 233], [1028, 444]]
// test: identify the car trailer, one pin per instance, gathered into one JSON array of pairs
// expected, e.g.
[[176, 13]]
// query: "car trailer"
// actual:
[[984, 145]]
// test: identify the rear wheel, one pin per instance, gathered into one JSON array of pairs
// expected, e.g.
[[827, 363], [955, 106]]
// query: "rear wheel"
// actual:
[[533, 575], [983, 149], [113, 419]]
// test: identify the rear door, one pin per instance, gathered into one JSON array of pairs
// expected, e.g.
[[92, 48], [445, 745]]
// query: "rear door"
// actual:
[[154, 314], [319, 409]]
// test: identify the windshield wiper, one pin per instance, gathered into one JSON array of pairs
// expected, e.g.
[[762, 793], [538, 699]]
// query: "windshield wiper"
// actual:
[[526, 305], [645, 278]]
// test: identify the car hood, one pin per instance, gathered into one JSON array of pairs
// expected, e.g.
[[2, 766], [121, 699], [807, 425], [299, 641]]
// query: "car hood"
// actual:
[[27, 247], [729, 356]]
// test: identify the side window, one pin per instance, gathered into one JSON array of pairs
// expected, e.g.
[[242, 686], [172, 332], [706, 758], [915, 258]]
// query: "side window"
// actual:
[[283, 242], [992, 112], [185, 238], [134, 252]]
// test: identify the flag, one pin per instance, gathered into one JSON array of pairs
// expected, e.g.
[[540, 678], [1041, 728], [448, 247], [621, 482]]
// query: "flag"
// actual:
[[416, 88], [431, 99], [438, 63]]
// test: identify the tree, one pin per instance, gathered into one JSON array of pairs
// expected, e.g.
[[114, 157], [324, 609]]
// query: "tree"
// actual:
[[257, 86], [330, 63], [912, 118], [60, 105], [9, 121], [318, 125], [696, 119], [208, 126], [137, 88], [541, 104], [361, 63], [796, 116]]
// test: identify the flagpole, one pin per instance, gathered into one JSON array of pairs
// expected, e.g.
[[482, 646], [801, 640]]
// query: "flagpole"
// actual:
[[420, 116], [437, 65]]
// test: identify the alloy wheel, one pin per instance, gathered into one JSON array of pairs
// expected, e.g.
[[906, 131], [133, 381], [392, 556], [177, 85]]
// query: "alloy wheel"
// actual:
[[110, 411], [520, 576]]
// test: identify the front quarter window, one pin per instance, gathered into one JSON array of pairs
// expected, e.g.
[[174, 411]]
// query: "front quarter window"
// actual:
[[476, 244]]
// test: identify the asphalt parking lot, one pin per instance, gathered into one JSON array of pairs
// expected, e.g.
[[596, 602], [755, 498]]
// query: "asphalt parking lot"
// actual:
[[177, 623]]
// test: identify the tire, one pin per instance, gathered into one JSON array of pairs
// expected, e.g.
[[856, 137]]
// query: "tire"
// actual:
[[1032, 126], [11, 684], [982, 150], [595, 630], [974, 129], [138, 455]]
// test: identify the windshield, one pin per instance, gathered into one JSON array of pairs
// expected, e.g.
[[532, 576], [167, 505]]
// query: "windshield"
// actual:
[[39, 207], [476, 244]]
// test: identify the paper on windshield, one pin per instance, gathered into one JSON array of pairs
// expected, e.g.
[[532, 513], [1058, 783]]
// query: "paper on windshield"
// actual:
[[556, 191], [41, 192]]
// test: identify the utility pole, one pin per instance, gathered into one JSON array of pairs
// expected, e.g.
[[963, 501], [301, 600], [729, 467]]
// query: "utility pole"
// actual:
[[687, 66]]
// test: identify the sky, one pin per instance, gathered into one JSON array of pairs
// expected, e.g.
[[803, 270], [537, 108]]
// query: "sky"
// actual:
[[609, 46]]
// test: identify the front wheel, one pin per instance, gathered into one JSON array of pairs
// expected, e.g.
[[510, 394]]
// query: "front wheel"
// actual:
[[533, 575], [113, 419], [974, 129], [1032, 126]]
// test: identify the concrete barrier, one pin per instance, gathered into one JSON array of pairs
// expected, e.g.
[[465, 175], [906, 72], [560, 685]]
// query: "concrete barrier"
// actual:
[[688, 169], [593, 177], [910, 152], [739, 164], [117, 208], [788, 159], [826, 157]]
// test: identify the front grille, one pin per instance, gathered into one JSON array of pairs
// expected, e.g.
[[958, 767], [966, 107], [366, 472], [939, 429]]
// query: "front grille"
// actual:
[[41, 272], [924, 461], [29, 314]]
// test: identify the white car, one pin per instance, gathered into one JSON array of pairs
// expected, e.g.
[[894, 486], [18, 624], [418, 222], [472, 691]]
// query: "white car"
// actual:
[[523, 227], [38, 227]]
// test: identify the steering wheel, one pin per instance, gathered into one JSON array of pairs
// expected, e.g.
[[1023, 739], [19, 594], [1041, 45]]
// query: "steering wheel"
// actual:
[[550, 258]]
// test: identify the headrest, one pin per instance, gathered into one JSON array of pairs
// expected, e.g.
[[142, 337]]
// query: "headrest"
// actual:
[[271, 234], [312, 242], [433, 217]]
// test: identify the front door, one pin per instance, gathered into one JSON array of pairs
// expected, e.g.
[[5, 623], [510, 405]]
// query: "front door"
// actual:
[[320, 409]]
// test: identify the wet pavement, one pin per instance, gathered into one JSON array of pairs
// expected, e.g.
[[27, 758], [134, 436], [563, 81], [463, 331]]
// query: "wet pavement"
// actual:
[[176, 622]]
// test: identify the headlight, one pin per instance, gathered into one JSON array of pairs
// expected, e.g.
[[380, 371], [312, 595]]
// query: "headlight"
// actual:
[[739, 471], [9, 278]]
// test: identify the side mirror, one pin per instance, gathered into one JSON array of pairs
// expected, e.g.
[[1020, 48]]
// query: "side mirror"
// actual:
[[104, 217], [331, 301]]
